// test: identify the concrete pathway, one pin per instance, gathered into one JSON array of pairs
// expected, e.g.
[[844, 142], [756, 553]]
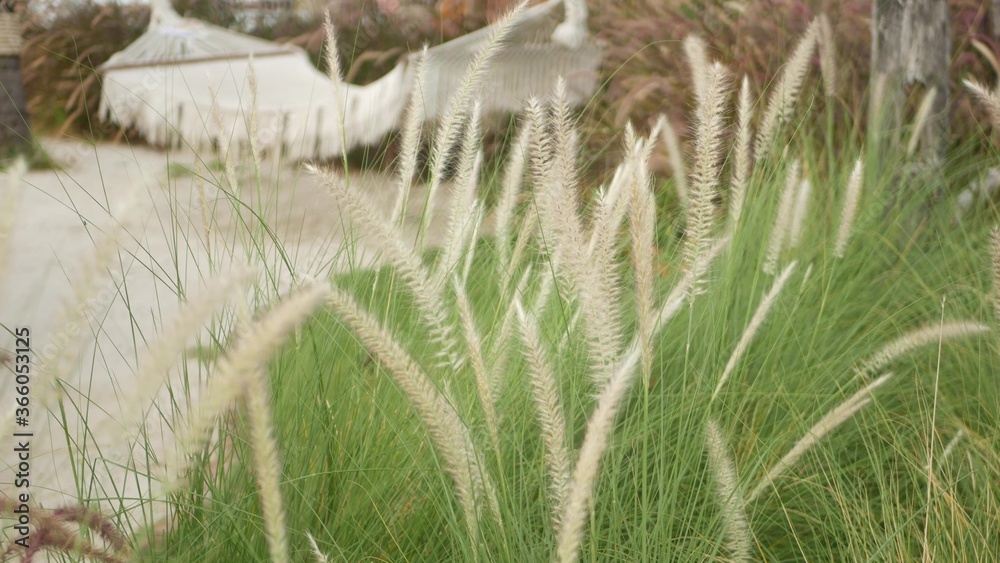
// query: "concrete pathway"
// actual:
[[62, 216]]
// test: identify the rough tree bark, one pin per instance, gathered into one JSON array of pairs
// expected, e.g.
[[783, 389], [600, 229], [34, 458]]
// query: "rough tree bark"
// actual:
[[15, 133], [911, 44]]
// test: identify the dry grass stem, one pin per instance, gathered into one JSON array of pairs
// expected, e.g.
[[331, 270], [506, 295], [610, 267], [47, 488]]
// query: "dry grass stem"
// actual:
[[545, 390], [710, 127], [786, 91], [463, 195], [513, 180], [334, 71], [799, 216], [828, 57], [755, 323], [728, 493], [450, 124], [995, 293], [782, 220], [227, 162], [827, 424], [410, 148], [668, 135], [743, 157], [485, 384], [253, 137], [266, 464], [56, 360], [952, 444], [915, 339], [920, 119], [642, 227], [850, 210], [592, 280]]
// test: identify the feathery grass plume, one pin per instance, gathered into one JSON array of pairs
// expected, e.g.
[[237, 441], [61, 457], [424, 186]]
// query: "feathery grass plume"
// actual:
[[227, 160], [642, 228], [915, 339], [696, 53], [920, 119], [833, 419], [755, 323], [400, 254], [70, 531], [254, 139], [545, 390], [334, 71], [782, 220], [828, 57], [727, 491], [952, 444], [444, 425], [162, 352], [988, 97], [850, 210], [410, 148], [501, 348], [799, 216], [513, 179], [710, 127], [591, 280], [250, 353], [206, 224], [471, 235], [995, 294], [485, 385], [931, 481], [786, 91], [320, 557], [450, 124], [11, 196], [463, 194], [612, 203], [742, 151], [266, 463], [601, 423], [676, 156]]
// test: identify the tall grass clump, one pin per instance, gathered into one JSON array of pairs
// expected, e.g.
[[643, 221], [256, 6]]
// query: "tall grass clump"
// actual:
[[582, 376], [570, 385], [574, 373]]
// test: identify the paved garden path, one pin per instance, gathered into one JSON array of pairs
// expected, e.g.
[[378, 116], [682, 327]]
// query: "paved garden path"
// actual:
[[62, 216]]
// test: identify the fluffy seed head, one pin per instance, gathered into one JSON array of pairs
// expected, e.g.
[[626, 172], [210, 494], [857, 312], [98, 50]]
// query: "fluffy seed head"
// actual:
[[728, 493], [850, 210]]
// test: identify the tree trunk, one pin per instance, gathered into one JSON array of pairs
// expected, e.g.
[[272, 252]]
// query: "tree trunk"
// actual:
[[995, 19], [15, 133], [911, 44]]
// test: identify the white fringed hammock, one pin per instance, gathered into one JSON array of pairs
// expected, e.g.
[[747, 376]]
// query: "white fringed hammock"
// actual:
[[185, 82]]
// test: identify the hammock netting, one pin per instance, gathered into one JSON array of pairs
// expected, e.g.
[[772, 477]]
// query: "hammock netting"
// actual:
[[185, 82]]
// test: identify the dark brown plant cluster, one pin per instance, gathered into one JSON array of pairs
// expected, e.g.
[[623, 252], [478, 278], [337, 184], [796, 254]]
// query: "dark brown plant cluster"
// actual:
[[62, 49], [646, 71], [73, 530]]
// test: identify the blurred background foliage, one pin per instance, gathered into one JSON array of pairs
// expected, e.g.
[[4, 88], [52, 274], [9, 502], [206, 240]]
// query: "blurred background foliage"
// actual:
[[644, 72]]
